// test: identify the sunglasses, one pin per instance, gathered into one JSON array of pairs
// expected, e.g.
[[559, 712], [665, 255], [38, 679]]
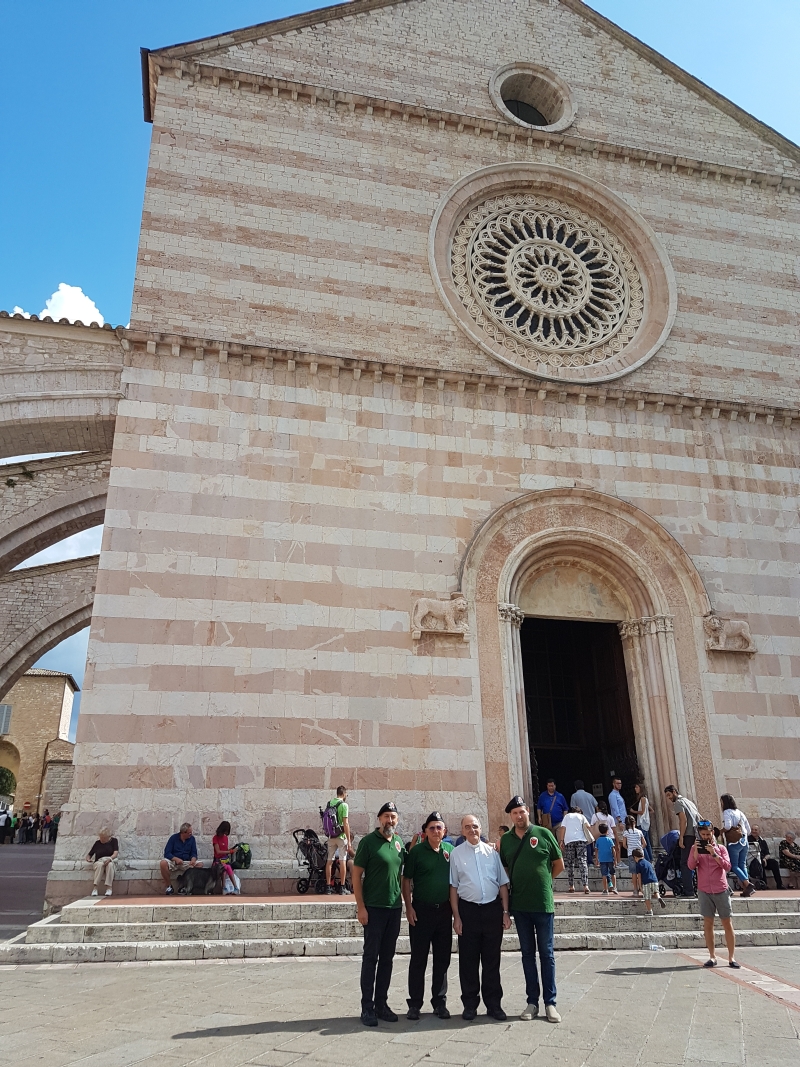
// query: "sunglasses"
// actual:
[[703, 823]]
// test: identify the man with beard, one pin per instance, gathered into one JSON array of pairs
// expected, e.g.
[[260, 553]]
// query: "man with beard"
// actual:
[[376, 885], [430, 917], [532, 858]]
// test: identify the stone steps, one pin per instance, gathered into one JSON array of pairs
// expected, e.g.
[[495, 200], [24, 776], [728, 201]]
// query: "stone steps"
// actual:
[[96, 930]]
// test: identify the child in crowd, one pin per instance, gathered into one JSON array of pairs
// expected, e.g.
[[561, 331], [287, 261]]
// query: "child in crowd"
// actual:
[[604, 852], [222, 853], [633, 839], [647, 879]]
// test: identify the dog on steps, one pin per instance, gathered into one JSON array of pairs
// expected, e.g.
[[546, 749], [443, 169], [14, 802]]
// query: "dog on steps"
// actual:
[[196, 881]]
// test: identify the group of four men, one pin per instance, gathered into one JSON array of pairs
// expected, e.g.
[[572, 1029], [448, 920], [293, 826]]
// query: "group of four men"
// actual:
[[472, 888]]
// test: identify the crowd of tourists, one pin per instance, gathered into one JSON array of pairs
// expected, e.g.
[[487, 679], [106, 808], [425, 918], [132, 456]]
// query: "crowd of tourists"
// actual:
[[28, 829]]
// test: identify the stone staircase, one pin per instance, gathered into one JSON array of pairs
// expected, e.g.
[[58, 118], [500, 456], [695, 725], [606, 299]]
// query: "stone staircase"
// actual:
[[96, 930]]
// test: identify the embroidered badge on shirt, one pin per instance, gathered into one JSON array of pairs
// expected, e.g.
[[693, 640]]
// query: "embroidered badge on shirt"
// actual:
[[446, 855], [534, 842], [398, 846]]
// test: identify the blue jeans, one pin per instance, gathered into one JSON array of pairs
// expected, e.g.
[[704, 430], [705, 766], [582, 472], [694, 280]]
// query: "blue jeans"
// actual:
[[648, 845], [533, 927], [738, 855]]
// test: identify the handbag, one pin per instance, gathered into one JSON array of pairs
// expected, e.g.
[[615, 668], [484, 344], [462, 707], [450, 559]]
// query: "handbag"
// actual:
[[733, 835], [587, 832]]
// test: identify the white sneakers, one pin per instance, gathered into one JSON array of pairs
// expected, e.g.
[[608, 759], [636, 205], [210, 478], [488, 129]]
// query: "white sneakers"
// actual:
[[550, 1013], [108, 893], [94, 892]]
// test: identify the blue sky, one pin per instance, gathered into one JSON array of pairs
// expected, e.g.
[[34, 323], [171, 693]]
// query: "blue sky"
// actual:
[[75, 145]]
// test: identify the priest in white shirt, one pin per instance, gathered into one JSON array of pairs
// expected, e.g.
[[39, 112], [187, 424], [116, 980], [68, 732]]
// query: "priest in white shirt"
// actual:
[[479, 898]]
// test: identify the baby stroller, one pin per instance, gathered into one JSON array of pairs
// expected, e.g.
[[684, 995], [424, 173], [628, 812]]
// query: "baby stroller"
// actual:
[[668, 866], [311, 855]]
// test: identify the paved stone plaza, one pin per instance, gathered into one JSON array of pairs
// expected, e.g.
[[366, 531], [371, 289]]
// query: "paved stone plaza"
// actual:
[[618, 1008]]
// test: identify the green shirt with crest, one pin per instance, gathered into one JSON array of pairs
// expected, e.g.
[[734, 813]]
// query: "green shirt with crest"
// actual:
[[430, 872], [382, 861], [531, 880]]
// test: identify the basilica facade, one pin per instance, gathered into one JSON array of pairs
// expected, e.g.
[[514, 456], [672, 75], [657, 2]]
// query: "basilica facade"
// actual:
[[458, 438]]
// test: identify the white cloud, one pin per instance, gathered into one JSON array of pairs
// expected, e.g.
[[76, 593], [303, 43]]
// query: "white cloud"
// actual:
[[68, 302], [17, 310]]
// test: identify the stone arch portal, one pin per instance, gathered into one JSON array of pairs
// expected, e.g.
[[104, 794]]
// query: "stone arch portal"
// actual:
[[645, 579]]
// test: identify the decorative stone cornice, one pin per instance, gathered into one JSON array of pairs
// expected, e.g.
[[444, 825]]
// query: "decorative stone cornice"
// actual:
[[511, 613], [11, 322], [429, 383], [564, 145], [658, 624]]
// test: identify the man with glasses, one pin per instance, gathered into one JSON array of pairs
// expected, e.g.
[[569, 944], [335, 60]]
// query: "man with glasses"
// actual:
[[712, 863], [430, 917], [479, 899]]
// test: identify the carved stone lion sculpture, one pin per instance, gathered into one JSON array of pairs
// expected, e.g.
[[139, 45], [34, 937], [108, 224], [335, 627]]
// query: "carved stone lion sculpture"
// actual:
[[439, 616], [727, 635]]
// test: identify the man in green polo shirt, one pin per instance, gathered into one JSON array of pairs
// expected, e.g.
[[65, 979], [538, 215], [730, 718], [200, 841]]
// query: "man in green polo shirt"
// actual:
[[376, 885], [532, 858], [430, 917]]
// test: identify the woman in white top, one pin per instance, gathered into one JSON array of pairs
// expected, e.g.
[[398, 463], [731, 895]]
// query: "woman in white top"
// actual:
[[573, 833], [735, 829], [633, 838], [641, 811]]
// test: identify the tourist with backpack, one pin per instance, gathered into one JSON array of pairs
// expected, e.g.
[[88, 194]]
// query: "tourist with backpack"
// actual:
[[735, 829], [336, 827]]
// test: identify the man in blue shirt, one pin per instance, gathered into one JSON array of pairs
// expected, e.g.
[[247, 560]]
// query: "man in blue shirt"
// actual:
[[617, 808], [180, 851], [551, 804]]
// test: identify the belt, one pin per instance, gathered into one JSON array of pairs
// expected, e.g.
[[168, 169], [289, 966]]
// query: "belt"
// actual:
[[461, 900], [416, 905]]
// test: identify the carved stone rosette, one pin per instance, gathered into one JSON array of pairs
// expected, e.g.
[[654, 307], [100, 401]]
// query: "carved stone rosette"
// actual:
[[511, 613], [657, 624]]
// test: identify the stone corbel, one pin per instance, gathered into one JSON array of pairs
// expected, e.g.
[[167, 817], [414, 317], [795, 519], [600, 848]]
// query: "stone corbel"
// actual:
[[728, 635], [440, 617], [511, 613]]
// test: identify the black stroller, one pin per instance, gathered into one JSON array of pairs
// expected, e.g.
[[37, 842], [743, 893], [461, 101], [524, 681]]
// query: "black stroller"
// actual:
[[668, 866], [312, 855]]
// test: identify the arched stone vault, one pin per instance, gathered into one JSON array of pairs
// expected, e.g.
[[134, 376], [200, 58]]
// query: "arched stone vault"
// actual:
[[664, 601], [48, 500], [40, 607]]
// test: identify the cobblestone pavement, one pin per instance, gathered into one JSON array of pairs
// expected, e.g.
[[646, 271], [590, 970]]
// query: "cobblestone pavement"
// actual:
[[23, 878], [656, 1008]]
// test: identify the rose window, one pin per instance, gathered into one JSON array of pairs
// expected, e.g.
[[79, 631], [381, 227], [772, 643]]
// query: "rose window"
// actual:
[[546, 280]]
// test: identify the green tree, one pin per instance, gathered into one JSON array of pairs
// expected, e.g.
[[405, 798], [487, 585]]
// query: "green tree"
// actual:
[[8, 783]]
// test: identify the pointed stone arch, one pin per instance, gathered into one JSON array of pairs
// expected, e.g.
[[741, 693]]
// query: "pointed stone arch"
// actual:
[[661, 598]]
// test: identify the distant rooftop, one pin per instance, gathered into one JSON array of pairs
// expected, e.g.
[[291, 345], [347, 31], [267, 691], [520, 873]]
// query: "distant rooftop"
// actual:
[[43, 672]]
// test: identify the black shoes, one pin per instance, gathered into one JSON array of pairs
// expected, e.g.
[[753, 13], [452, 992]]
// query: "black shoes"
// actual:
[[442, 1011], [386, 1014], [497, 1013], [369, 1018], [413, 1014], [469, 1014]]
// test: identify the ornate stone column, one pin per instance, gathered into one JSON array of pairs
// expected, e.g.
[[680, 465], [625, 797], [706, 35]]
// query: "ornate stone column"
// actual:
[[657, 704], [519, 764]]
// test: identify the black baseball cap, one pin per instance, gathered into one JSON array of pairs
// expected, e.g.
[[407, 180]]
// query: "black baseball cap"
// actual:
[[515, 802], [388, 806]]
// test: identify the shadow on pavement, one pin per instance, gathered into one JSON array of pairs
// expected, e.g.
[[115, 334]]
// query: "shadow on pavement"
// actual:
[[650, 970], [335, 1027]]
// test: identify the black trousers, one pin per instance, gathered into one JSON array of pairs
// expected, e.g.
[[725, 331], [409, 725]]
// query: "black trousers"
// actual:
[[756, 870], [380, 940], [433, 929], [479, 949]]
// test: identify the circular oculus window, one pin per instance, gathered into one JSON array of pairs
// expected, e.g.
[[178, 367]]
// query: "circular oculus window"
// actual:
[[552, 273], [532, 96]]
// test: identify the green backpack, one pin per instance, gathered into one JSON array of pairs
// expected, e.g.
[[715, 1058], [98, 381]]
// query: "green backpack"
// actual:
[[241, 857]]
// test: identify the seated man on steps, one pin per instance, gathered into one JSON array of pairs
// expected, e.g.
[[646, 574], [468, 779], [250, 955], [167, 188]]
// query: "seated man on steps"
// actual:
[[102, 855], [180, 851]]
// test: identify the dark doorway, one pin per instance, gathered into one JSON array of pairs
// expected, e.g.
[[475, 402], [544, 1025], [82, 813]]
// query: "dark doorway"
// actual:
[[578, 707]]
